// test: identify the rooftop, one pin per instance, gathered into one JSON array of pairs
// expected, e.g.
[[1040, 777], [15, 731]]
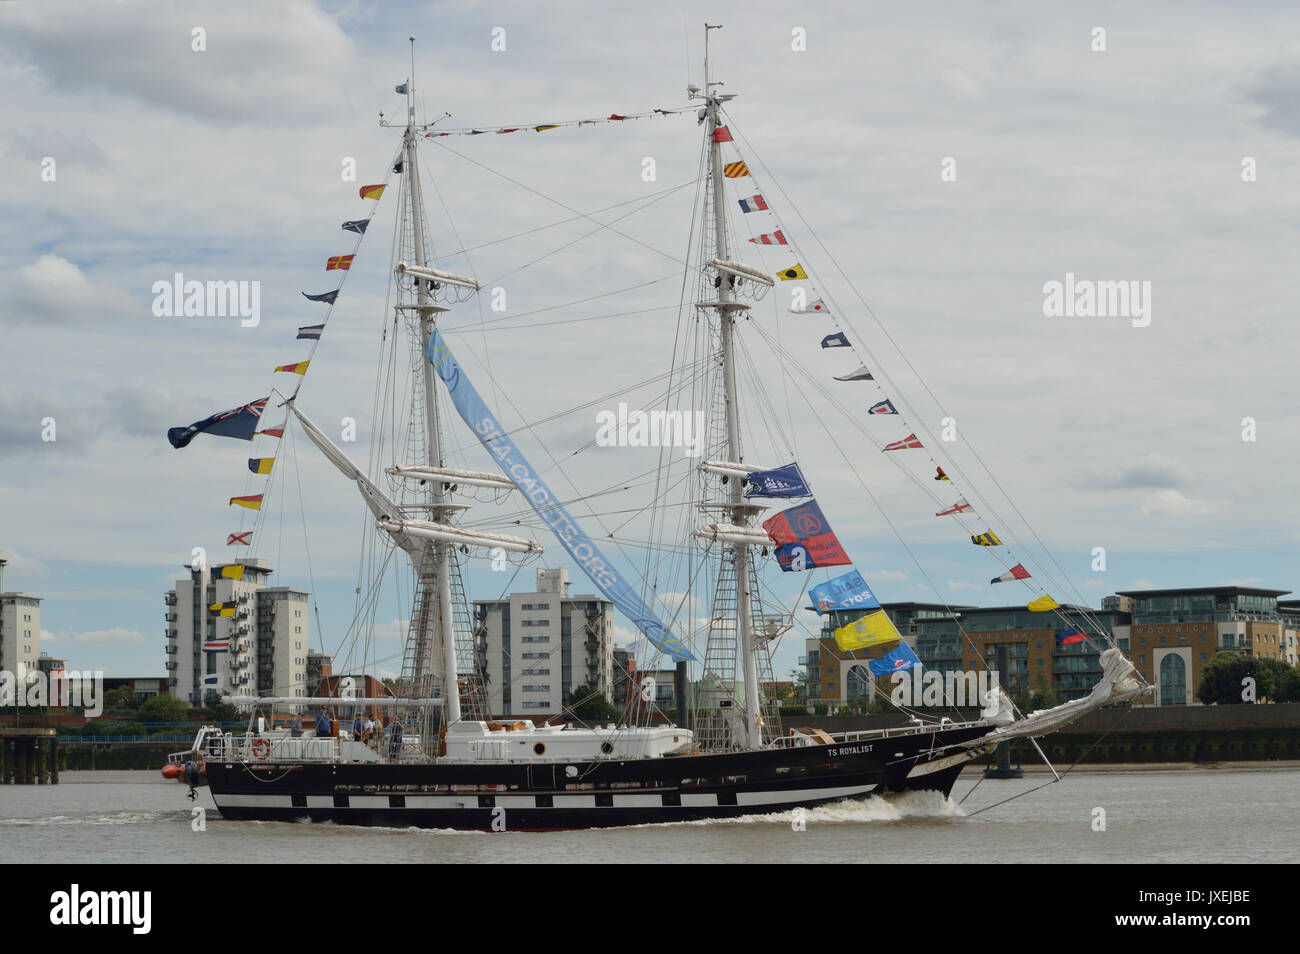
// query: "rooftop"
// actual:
[[1204, 591]]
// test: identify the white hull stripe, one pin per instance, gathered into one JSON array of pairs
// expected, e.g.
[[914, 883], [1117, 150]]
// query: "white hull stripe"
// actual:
[[938, 765], [461, 800]]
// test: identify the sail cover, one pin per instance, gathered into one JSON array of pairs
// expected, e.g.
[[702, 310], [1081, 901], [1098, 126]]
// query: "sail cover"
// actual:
[[480, 420]]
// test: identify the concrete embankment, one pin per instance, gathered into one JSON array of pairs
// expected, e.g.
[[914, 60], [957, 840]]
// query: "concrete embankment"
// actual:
[[1190, 734]]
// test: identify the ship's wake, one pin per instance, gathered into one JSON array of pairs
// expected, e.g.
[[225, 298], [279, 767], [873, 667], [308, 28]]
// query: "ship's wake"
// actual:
[[892, 807]]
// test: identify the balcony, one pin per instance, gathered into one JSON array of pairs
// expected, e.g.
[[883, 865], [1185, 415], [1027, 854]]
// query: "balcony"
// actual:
[[170, 650], [171, 665], [169, 599], [591, 645], [171, 683], [170, 617]]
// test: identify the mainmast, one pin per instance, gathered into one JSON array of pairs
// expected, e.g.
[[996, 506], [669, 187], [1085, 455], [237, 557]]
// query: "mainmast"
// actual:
[[443, 623], [726, 309]]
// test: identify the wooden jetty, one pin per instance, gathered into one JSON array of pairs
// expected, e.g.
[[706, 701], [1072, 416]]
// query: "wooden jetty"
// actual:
[[29, 757]]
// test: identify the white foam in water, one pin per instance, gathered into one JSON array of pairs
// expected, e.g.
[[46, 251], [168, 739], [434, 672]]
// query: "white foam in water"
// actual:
[[899, 806]]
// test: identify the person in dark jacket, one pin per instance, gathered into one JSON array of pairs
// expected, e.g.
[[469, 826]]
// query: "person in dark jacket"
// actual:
[[322, 723]]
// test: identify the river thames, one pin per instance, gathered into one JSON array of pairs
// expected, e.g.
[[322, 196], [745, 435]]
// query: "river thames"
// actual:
[[1248, 813]]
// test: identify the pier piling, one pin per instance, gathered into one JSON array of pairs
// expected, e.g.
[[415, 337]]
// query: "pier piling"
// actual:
[[29, 757]]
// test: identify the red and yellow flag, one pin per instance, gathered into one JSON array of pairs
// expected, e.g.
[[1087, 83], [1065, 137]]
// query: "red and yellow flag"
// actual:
[[298, 368], [340, 262], [734, 170], [252, 503], [372, 191]]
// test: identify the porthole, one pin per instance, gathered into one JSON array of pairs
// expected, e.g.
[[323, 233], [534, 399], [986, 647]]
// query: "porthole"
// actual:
[[540, 748], [606, 748]]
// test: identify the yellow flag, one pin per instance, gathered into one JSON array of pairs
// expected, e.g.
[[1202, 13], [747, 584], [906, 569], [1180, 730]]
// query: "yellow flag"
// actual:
[[874, 629], [235, 572], [793, 273], [1043, 604]]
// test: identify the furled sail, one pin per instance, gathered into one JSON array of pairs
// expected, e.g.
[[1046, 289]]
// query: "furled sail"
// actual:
[[581, 547]]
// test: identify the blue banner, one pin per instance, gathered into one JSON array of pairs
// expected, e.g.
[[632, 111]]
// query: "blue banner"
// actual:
[[592, 562], [894, 660], [784, 481], [849, 591]]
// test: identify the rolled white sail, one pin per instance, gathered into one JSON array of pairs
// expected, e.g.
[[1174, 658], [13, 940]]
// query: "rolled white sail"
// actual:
[[732, 533], [431, 530], [1119, 681], [437, 275], [380, 506], [741, 270], [471, 478]]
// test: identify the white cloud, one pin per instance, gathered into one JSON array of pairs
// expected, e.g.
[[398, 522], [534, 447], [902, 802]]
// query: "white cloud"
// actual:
[[886, 576], [1172, 503], [115, 636]]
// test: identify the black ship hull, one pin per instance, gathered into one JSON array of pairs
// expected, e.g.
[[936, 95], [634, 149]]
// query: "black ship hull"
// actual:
[[555, 795]]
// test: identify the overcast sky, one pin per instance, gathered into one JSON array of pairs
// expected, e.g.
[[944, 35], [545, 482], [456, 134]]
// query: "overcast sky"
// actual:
[[224, 164]]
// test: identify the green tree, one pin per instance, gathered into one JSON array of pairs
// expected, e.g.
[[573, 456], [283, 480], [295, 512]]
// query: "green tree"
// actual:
[[588, 705], [1288, 686], [163, 709], [121, 702], [1271, 674], [1221, 679], [1044, 698], [222, 712]]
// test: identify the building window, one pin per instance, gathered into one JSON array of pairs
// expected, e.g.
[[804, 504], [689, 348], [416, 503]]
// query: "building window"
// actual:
[[534, 639], [1173, 680]]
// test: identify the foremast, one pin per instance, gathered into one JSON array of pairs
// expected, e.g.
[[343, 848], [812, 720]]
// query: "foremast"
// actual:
[[440, 645]]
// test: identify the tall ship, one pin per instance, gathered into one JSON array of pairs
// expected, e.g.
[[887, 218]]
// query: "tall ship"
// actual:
[[429, 752]]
